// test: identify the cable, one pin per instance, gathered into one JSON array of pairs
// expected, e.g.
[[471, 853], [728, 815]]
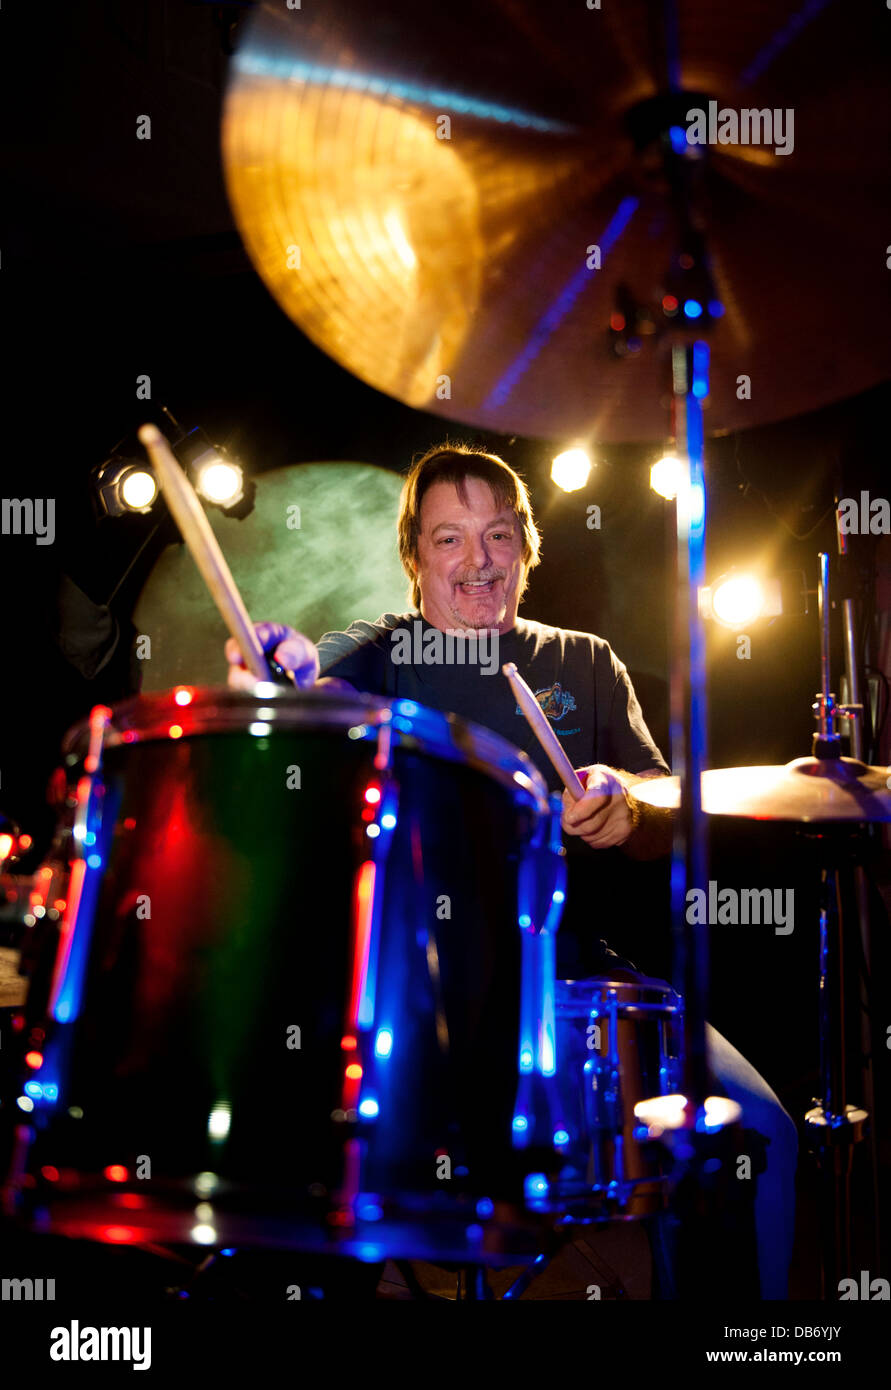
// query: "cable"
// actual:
[[750, 487]]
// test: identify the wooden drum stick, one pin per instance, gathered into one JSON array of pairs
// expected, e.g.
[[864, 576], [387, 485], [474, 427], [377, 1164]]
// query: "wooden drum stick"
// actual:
[[538, 722], [194, 526]]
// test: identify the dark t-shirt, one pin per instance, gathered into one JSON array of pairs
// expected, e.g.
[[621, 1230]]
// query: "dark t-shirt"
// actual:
[[586, 694], [578, 680]]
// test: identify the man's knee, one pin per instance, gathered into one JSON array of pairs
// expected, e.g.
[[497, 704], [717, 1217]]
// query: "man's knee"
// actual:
[[768, 1118]]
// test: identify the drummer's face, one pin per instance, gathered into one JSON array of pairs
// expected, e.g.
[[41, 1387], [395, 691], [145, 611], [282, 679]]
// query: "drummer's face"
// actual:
[[460, 545]]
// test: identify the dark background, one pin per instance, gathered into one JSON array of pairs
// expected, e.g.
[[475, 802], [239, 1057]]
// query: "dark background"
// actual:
[[119, 258]]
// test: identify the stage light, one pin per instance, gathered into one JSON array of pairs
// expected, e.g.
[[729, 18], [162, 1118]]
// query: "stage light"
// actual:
[[740, 598], [122, 485], [570, 469], [215, 476], [138, 490], [220, 482], [692, 308], [667, 477]]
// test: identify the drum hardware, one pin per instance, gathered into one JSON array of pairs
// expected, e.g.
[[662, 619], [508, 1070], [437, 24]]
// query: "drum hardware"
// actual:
[[835, 795], [620, 1043]]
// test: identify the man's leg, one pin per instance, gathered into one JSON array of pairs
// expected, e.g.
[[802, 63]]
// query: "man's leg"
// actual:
[[775, 1192]]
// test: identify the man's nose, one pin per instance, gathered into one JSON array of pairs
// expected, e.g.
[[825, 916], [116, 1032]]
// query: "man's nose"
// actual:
[[477, 555]]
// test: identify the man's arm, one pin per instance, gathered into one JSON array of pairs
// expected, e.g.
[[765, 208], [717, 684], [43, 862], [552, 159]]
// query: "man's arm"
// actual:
[[337, 684], [652, 831]]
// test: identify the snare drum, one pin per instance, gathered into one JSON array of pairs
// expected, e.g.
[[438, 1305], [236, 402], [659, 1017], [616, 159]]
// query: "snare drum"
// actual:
[[285, 1006], [618, 1042]]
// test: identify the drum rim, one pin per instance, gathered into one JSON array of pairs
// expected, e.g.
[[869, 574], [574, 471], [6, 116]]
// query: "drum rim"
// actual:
[[591, 982], [219, 709]]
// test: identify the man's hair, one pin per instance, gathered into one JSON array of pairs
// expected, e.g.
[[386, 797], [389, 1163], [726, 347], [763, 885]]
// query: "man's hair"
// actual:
[[455, 463]]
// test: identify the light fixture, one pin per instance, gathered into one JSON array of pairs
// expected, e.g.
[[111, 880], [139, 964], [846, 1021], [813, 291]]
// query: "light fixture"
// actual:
[[570, 469], [216, 477], [122, 485], [138, 489], [220, 482], [667, 476], [741, 597]]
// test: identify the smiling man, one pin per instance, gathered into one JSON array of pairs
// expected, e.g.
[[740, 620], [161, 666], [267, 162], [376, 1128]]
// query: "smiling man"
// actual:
[[468, 542]]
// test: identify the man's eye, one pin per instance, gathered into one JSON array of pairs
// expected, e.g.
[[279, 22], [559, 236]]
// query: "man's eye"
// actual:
[[445, 539]]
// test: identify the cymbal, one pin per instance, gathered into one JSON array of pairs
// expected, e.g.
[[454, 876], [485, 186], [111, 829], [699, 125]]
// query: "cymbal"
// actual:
[[421, 197], [807, 789]]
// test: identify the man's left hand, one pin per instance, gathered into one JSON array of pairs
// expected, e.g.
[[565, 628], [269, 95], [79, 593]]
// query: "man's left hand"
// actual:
[[603, 817]]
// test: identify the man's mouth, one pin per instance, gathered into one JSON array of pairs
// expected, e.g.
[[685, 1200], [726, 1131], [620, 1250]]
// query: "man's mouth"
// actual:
[[475, 589]]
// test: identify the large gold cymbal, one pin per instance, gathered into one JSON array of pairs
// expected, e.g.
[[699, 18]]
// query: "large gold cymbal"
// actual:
[[452, 273]]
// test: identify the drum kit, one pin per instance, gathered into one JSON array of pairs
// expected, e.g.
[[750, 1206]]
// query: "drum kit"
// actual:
[[290, 960]]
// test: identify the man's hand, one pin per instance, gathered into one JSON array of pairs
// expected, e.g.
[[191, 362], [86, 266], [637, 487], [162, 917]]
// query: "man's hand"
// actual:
[[605, 815], [290, 649]]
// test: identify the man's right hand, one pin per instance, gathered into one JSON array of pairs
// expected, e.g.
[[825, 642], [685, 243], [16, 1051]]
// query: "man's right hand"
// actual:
[[290, 649]]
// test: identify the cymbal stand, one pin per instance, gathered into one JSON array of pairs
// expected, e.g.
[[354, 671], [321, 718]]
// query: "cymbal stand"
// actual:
[[834, 1126]]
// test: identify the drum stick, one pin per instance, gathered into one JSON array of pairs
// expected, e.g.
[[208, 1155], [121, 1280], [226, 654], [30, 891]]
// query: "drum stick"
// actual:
[[538, 722], [194, 526]]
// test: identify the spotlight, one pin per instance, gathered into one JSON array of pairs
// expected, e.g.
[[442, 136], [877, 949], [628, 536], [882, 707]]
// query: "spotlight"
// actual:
[[220, 482], [667, 477], [216, 477], [570, 469], [738, 599], [122, 485], [138, 490]]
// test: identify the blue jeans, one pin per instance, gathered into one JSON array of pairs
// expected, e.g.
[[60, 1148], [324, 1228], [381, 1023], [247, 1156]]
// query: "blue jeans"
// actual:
[[775, 1192]]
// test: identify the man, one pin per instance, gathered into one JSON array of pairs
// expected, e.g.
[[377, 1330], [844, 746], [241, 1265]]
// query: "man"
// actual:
[[468, 542]]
